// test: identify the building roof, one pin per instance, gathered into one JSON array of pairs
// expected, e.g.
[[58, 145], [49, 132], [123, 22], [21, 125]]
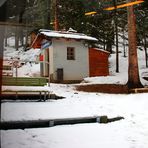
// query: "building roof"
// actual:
[[66, 34], [102, 50]]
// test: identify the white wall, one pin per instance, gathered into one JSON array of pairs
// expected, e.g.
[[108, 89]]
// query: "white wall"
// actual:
[[73, 69]]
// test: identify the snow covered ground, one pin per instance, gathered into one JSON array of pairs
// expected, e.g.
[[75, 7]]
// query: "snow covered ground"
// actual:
[[132, 132]]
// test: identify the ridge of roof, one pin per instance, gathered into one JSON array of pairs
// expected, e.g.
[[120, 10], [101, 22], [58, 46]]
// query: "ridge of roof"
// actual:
[[66, 34], [61, 32]]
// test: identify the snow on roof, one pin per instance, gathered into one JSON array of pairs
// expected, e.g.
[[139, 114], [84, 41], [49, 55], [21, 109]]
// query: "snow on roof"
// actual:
[[102, 50], [68, 35]]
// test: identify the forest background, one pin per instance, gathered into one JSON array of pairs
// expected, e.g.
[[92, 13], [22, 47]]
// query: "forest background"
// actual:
[[36, 14]]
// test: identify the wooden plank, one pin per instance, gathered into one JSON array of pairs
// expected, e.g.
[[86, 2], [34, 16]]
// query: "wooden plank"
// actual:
[[139, 90], [41, 95], [24, 81]]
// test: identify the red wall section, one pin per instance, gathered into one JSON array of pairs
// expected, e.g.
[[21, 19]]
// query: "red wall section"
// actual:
[[98, 63], [37, 42]]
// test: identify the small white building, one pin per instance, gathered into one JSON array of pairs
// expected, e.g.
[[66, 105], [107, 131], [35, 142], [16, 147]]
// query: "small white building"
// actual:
[[64, 55]]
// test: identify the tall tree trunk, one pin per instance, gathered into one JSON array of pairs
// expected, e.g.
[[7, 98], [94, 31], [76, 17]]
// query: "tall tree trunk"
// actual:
[[17, 38], [145, 49], [6, 40], [21, 36], [109, 46], [133, 71], [47, 20], [116, 31], [104, 44], [26, 40], [56, 21], [124, 48]]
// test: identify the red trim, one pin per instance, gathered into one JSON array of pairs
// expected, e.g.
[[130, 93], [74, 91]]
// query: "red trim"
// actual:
[[41, 57]]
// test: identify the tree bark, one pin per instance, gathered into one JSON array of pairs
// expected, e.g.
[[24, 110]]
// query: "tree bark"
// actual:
[[116, 34], [133, 70], [56, 21], [124, 47], [16, 38], [145, 49]]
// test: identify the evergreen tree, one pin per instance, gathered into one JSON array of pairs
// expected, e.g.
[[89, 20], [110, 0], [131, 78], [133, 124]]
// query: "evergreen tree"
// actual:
[[142, 28], [71, 14]]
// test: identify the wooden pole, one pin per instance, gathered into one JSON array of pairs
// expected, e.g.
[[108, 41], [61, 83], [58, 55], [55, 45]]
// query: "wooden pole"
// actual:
[[125, 5]]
